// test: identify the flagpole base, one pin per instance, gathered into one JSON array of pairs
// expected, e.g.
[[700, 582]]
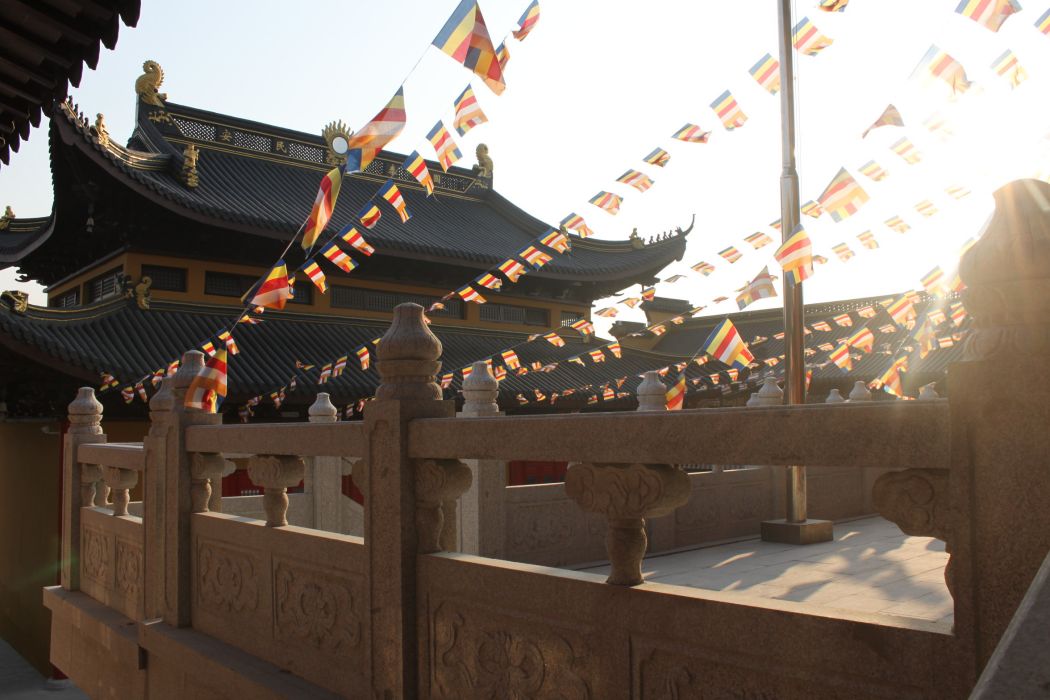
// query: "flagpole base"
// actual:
[[805, 532]]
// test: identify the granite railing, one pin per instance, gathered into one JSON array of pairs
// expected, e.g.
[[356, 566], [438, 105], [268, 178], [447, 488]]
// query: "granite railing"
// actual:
[[239, 607]]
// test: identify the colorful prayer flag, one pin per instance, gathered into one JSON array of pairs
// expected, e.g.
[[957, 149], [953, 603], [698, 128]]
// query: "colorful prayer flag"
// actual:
[[874, 171], [933, 280], [528, 20], [607, 312], [759, 288], [384, 127], [898, 224], [725, 345], [637, 180], [648, 294], [1043, 23], [902, 311], [597, 355], [208, 388], [843, 320], [731, 254], [843, 196], [767, 73], [364, 357], [415, 165], [691, 133], [446, 149], [392, 194], [338, 258], [990, 14], [468, 293], [575, 222], [1007, 66], [355, 239], [957, 191], [555, 240], [822, 326], [926, 208], [729, 111], [340, 365], [659, 157], [324, 203], [584, 326], [615, 349], [807, 38], [843, 251], [841, 357], [369, 215], [274, 291], [938, 64], [758, 240], [510, 359], [534, 256], [795, 256], [812, 209], [889, 117], [316, 275], [832, 5], [554, 339], [466, 39], [468, 112], [489, 281], [676, 394], [957, 312], [867, 239], [704, 268], [502, 55], [512, 269], [906, 150], [326, 374], [607, 201]]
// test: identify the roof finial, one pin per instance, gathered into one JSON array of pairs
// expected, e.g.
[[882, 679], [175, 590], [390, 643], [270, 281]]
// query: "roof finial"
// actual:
[[484, 166], [147, 84], [101, 133], [7, 218]]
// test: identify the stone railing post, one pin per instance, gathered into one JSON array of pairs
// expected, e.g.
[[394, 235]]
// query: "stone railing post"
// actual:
[[652, 394], [402, 497], [78, 483], [173, 490], [999, 482], [324, 475], [482, 516]]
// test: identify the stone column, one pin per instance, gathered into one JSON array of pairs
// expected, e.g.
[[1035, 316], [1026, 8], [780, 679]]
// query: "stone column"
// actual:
[[483, 510], [402, 516], [85, 418], [169, 495], [324, 475]]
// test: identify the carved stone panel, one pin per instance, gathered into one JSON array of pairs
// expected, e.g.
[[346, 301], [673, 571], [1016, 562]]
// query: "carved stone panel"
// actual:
[[317, 607], [480, 653], [95, 556], [129, 569], [226, 579]]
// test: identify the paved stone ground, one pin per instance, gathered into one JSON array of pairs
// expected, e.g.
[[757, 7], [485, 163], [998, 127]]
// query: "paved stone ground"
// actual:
[[20, 681], [870, 566]]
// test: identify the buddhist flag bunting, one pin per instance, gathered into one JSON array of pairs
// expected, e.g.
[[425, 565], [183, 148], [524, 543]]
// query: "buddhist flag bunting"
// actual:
[[208, 388], [906, 150], [867, 239], [512, 269], [554, 339], [637, 180], [659, 157], [676, 394], [340, 365], [324, 203], [534, 256], [926, 208], [338, 258], [990, 14], [446, 149], [489, 281], [468, 112], [369, 215], [649, 294], [208, 348], [819, 260], [363, 357], [937, 64], [1008, 67], [1043, 23], [704, 268], [889, 117], [731, 254], [615, 349], [795, 256], [392, 194], [691, 133], [575, 222], [584, 326], [832, 5], [812, 209], [843, 196], [936, 316], [957, 312], [466, 39], [316, 275], [901, 311], [607, 312], [874, 171], [841, 357], [759, 288], [758, 240], [866, 312], [274, 291], [890, 381], [843, 320], [528, 20], [898, 224], [502, 55], [355, 239], [326, 374], [933, 280], [418, 167], [863, 340], [767, 73], [632, 302], [607, 201], [597, 355], [957, 191], [468, 293], [729, 111], [555, 240], [725, 345], [510, 359], [657, 330], [719, 300], [843, 251], [823, 326], [807, 38], [384, 127], [674, 278]]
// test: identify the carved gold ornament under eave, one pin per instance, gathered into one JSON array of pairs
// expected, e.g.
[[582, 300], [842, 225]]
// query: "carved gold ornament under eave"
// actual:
[[147, 85], [336, 137], [189, 166]]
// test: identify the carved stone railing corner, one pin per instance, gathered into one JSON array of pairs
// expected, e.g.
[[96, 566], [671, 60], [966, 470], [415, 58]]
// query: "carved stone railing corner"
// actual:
[[407, 357], [82, 483], [627, 494], [439, 482], [206, 470], [918, 502], [276, 474]]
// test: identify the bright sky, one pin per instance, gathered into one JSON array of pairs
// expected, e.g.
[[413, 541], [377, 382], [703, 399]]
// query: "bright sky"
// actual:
[[597, 85]]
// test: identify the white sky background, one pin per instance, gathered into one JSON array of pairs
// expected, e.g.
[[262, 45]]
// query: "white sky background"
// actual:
[[599, 84]]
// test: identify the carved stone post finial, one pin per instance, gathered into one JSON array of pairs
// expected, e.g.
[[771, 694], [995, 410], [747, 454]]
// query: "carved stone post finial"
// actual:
[[834, 396], [860, 393], [276, 473], [928, 393], [322, 410], [480, 391], [652, 394], [627, 494], [407, 357], [770, 394], [85, 413]]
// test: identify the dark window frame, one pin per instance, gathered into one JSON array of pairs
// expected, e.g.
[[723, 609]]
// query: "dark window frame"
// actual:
[[512, 313], [159, 274], [107, 285], [344, 296]]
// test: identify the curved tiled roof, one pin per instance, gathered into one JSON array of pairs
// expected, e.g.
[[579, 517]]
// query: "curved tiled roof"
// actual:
[[23, 235]]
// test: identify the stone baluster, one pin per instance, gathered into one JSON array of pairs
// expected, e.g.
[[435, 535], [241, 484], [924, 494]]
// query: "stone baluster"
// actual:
[[859, 393], [276, 474], [652, 394], [85, 419], [120, 482], [834, 396], [205, 473], [627, 494], [215, 500], [174, 489], [324, 475], [402, 495], [482, 518]]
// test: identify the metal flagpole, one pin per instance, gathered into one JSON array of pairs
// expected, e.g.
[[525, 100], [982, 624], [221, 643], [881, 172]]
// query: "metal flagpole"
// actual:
[[795, 527]]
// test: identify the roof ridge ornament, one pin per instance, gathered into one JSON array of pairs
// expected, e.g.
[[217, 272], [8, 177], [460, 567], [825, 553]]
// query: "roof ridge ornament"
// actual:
[[100, 131], [189, 166], [147, 85], [336, 137], [7, 218], [484, 167]]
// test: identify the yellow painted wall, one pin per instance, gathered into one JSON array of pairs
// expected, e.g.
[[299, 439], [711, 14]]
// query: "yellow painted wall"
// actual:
[[78, 282], [30, 471]]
